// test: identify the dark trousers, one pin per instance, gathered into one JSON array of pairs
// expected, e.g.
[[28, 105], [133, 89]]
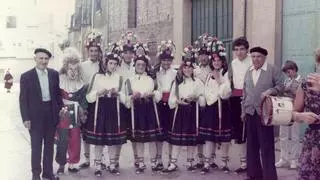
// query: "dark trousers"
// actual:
[[42, 134], [260, 139]]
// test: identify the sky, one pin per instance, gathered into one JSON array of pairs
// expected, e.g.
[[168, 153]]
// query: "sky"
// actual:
[[61, 9]]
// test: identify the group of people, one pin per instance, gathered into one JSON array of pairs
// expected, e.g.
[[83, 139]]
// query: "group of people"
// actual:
[[204, 104]]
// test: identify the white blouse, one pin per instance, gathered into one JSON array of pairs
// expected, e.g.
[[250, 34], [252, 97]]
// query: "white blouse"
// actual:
[[202, 72], [141, 83], [165, 79], [89, 68], [102, 81], [213, 91], [188, 88]]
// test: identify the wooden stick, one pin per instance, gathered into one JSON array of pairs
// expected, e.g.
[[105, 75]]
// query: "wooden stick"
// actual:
[[95, 114], [174, 117], [243, 129], [220, 114], [157, 115], [118, 114], [132, 117], [197, 118]]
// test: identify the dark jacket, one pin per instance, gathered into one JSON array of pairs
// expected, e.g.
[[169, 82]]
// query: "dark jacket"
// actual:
[[31, 99]]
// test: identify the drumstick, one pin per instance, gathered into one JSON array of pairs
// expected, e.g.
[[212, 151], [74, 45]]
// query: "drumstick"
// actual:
[[197, 118], [219, 112], [132, 117], [95, 114], [118, 114], [174, 117], [157, 115]]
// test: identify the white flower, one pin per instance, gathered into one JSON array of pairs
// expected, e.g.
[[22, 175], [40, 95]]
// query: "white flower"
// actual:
[[185, 49], [70, 126], [169, 41], [71, 112], [213, 49], [70, 95], [222, 54]]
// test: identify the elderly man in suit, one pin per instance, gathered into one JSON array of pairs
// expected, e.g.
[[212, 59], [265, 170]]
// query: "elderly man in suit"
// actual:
[[261, 79], [40, 104]]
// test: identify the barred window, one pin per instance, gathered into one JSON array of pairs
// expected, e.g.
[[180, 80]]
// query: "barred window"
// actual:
[[132, 14]]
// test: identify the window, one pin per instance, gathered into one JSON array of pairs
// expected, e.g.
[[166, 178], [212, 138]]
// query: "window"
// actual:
[[132, 14], [215, 18], [11, 22], [97, 5]]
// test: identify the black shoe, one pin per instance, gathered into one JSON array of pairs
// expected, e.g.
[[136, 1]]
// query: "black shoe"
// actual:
[[140, 170], [114, 171], [84, 165], [36, 177], [60, 171], [160, 166], [240, 170], [225, 169], [52, 177], [214, 166], [117, 166], [98, 173], [199, 165], [205, 170], [191, 168], [73, 170], [170, 170]]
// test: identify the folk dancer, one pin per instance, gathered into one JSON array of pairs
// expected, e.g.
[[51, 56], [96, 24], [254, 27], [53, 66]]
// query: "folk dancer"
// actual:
[[203, 55], [142, 98], [290, 135], [89, 68], [261, 80], [215, 126], [73, 92], [237, 71], [165, 78], [185, 98], [105, 126]]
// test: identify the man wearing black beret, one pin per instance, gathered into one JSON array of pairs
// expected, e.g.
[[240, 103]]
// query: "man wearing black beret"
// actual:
[[40, 104], [261, 79]]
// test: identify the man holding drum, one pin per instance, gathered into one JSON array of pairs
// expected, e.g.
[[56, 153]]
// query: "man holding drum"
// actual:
[[261, 80]]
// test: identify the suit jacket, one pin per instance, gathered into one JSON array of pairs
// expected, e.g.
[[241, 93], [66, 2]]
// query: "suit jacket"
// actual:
[[272, 79], [31, 98]]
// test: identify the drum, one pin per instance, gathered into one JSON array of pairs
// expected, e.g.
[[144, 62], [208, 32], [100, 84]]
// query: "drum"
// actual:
[[276, 111]]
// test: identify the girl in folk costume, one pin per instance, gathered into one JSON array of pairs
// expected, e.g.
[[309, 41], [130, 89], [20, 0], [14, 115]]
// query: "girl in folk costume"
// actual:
[[126, 70], [215, 126], [185, 98], [73, 94], [89, 68], [105, 126], [165, 78], [203, 55], [142, 98]]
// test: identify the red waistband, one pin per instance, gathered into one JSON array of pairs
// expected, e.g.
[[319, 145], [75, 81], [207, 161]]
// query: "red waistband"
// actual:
[[237, 92]]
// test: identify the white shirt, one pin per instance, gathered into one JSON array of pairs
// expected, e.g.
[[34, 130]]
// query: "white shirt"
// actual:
[[89, 68], [102, 81], [187, 88], [126, 70], [165, 79], [213, 91], [256, 72], [202, 72], [239, 69], [44, 84]]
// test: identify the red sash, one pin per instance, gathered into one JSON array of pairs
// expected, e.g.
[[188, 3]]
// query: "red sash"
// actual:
[[237, 93]]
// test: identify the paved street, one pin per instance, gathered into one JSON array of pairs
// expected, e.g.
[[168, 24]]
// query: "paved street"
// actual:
[[15, 153]]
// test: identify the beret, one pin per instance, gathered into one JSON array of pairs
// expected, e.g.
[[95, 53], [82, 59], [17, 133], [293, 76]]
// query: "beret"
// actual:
[[259, 50], [43, 51]]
